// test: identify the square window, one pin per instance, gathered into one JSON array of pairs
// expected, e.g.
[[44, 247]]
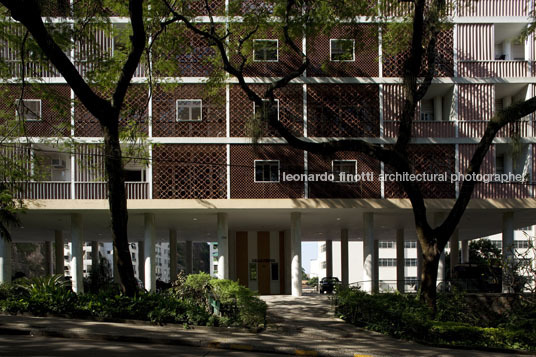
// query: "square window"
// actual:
[[189, 109], [342, 50], [28, 109], [265, 51], [343, 169], [266, 103], [266, 171]]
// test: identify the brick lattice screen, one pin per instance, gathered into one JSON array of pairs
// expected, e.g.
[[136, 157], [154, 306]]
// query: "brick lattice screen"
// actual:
[[430, 159], [362, 189], [55, 108], [290, 110], [243, 183], [393, 64], [343, 110], [165, 113], [366, 53], [189, 171], [134, 113]]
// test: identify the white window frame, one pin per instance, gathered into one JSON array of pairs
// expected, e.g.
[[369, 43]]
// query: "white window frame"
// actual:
[[278, 171], [190, 110], [341, 39], [17, 101], [266, 101], [266, 40], [336, 179]]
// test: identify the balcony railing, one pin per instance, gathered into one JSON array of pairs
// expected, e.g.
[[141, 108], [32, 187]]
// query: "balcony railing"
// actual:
[[500, 190], [99, 190], [61, 190], [423, 129], [476, 128], [489, 69], [46, 190]]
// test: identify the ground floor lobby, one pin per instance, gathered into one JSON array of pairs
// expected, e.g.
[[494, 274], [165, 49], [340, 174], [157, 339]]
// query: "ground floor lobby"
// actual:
[[259, 241]]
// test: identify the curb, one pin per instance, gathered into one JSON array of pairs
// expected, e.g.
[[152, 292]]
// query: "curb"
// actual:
[[178, 341]]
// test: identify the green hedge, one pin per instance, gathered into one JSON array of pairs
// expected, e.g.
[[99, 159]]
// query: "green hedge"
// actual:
[[186, 303], [403, 316]]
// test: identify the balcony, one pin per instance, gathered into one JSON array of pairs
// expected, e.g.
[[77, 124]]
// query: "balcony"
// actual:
[[61, 190], [476, 128], [423, 129], [488, 69]]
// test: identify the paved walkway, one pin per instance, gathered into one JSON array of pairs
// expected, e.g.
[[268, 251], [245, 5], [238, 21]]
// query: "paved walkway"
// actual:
[[296, 326]]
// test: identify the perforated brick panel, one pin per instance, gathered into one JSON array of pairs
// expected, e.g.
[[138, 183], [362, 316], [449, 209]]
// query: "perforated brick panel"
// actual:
[[290, 110], [358, 189], [243, 183], [430, 159], [365, 63], [343, 110], [189, 171], [55, 108], [393, 65], [134, 114], [55, 8], [165, 121], [181, 53], [287, 59]]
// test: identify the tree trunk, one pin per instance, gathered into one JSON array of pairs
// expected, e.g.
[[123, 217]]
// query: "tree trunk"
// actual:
[[430, 264], [118, 207]]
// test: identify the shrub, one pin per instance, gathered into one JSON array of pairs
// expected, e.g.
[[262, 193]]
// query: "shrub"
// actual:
[[403, 316]]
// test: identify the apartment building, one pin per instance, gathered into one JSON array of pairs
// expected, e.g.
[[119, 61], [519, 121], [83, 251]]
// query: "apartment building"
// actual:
[[204, 181], [328, 261]]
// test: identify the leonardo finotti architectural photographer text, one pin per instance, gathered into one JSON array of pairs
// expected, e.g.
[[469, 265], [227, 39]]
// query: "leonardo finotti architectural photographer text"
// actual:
[[401, 177]]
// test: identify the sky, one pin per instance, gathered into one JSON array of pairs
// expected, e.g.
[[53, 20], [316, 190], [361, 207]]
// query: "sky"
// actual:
[[309, 251]]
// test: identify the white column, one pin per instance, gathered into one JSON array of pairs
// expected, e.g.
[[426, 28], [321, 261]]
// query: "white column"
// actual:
[[329, 258], [439, 217], [295, 253], [223, 246], [507, 248], [189, 259], [454, 251], [368, 252], [438, 108], [419, 263], [59, 252], [149, 252], [375, 266], [344, 257], [49, 267], [5, 260], [441, 269], [172, 255], [141, 261], [77, 254], [400, 262], [465, 251]]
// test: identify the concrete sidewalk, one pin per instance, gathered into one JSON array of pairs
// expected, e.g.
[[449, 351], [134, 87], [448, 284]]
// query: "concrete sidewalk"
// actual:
[[296, 326]]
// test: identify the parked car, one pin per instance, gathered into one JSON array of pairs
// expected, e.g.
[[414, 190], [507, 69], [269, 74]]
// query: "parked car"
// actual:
[[327, 284]]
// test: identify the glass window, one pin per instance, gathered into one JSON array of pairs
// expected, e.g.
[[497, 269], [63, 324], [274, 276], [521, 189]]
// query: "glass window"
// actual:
[[410, 244], [387, 262], [410, 262], [342, 169], [265, 51], [266, 171], [28, 109], [267, 111], [342, 50], [189, 109], [252, 271], [386, 244], [275, 271]]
